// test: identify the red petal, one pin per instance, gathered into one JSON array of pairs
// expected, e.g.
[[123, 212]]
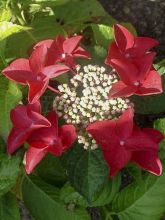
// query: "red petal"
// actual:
[[119, 89], [140, 141], [68, 135], [117, 158], [104, 133], [37, 120], [32, 157], [37, 59], [80, 52], [124, 125], [36, 107], [36, 89], [19, 117], [144, 65], [124, 39], [154, 134], [45, 136], [142, 45], [55, 70], [151, 85], [149, 161], [19, 71], [70, 44], [113, 53], [16, 138], [46, 43], [126, 70]]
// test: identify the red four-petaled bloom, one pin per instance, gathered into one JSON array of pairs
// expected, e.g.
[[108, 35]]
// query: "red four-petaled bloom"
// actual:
[[34, 72], [25, 119], [131, 58], [53, 139], [121, 141], [128, 47], [64, 50]]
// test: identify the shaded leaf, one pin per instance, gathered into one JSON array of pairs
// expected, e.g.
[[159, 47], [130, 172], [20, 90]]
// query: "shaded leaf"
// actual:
[[87, 171], [42, 200], [8, 207]]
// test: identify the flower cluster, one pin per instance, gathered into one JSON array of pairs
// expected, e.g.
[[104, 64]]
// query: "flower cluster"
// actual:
[[94, 103], [84, 100]]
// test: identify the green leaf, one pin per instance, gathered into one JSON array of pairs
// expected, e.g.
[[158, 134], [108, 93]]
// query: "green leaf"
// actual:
[[143, 201], [6, 30], [103, 34], [87, 171], [10, 95], [160, 67], [9, 208], [88, 12], [51, 170], [9, 170], [69, 195], [40, 29], [42, 200]]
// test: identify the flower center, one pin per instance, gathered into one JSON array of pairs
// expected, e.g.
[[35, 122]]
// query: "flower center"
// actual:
[[122, 143], [85, 100], [63, 55], [127, 55], [137, 83]]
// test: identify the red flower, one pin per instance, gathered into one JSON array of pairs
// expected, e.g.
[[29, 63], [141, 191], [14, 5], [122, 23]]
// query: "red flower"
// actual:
[[52, 140], [128, 47], [64, 50], [25, 119], [136, 78], [121, 141], [34, 72]]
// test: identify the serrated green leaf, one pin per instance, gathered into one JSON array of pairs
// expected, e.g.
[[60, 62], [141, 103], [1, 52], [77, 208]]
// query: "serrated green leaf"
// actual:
[[9, 170], [103, 34], [87, 171], [10, 96], [69, 195], [8, 207], [42, 200]]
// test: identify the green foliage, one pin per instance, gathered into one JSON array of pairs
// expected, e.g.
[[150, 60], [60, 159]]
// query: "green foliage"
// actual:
[[9, 170], [87, 171], [103, 34], [143, 200], [51, 171], [10, 96], [69, 195], [42, 200], [8, 207]]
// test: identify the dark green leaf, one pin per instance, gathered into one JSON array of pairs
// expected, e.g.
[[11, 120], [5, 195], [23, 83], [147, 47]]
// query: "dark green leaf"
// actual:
[[69, 195], [42, 200], [10, 96], [51, 170], [87, 171], [9, 208]]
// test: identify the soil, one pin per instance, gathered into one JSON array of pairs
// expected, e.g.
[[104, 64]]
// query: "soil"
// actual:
[[148, 18]]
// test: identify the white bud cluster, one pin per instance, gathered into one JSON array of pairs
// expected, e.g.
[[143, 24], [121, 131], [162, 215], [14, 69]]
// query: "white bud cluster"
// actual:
[[85, 100]]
